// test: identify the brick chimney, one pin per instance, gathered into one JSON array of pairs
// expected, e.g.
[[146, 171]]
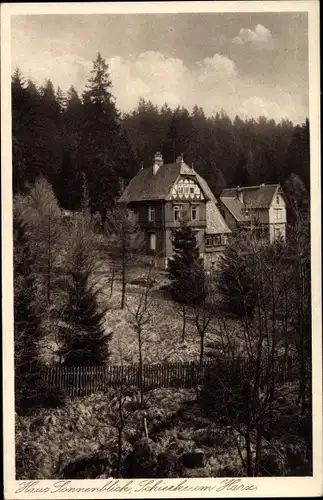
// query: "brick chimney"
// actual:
[[180, 159], [158, 162], [239, 194]]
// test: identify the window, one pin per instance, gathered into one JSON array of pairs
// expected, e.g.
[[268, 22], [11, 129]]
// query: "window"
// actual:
[[151, 214], [194, 213], [186, 189], [216, 240], [177, 213], [180, 189], [277, 200], [192, 190], [279, 213], [208, 241], [152, 241]]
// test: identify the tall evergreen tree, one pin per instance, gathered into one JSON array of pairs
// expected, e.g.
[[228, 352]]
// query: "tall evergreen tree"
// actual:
[[180, 137], [26, 133], [185, 269], [68, 185], [27, 328], [85, 339], [52, 138], [100, 133]]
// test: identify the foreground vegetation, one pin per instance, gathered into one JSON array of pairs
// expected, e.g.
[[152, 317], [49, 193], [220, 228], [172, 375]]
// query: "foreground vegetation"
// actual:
[[88, 306], [182, 440]]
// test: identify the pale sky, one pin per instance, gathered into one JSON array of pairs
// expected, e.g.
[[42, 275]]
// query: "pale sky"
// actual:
[[246, 64]]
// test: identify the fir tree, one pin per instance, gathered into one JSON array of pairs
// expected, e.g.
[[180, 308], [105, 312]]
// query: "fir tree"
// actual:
[[85, 340], [27, 326], [185, 269], [100, 132]]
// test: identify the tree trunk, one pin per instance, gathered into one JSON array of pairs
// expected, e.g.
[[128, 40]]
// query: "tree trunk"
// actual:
[[112, 279], [184, 323], [140, 369], [202, 335], [49, 261], [249, 453], [123, 290], [119, 459]]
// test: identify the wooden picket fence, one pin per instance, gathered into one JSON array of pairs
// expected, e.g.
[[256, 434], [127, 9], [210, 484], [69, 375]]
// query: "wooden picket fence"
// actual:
[[85, 380]]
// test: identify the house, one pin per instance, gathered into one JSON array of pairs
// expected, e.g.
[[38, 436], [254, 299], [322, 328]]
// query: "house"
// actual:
[[161, 195], [261, 209]]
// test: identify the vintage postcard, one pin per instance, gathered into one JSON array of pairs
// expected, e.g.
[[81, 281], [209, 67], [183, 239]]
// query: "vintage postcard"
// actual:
[[161, 240]]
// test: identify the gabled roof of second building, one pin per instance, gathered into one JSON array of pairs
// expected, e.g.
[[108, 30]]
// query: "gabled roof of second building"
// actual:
[[253, 196], [147, 186], [236, 208]]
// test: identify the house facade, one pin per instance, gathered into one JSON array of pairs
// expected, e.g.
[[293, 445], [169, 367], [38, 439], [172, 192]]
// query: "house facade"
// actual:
[[161, 195], [260, 209]]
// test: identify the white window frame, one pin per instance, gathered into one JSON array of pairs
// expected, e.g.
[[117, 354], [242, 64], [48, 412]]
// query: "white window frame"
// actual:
[[177, 209], [197, 209], [217, 240], [279, 214], [151, 214], [210, 239]]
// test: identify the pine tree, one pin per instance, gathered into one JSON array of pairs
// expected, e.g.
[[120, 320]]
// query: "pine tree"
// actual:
[[27, 326], [100, 135], [85, 340], [185, 269], [25, 133], [180, 137]]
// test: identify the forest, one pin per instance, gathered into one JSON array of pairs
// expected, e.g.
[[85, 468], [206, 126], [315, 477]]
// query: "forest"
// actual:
[[84, 301], [64, 135]]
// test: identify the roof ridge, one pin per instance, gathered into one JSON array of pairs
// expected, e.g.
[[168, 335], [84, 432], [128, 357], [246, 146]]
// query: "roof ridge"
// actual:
[[251, 187]]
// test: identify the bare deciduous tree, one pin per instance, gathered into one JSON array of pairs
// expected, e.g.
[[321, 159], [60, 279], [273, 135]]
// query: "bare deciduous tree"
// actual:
[[43, 217], [141, 315], [125, 242]]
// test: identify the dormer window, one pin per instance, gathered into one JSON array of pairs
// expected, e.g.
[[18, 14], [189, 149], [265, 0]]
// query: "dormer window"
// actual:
[[151, 214]]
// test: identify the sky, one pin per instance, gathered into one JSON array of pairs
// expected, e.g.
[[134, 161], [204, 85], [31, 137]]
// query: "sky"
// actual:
[[245, 64]]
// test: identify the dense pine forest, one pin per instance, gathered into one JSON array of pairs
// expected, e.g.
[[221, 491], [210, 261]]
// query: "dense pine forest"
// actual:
[[63, 136]]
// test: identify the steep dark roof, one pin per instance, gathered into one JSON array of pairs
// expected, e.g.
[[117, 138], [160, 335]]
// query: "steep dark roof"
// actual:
[[146, 186], [214, 221], [253, 196], [236, 208]]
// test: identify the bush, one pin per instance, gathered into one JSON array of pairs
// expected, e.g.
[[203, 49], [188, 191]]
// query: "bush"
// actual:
[[88, 467], [141, 462], [226, 391]]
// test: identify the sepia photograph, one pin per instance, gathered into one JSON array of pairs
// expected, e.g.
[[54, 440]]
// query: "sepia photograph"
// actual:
[[162, 171]]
